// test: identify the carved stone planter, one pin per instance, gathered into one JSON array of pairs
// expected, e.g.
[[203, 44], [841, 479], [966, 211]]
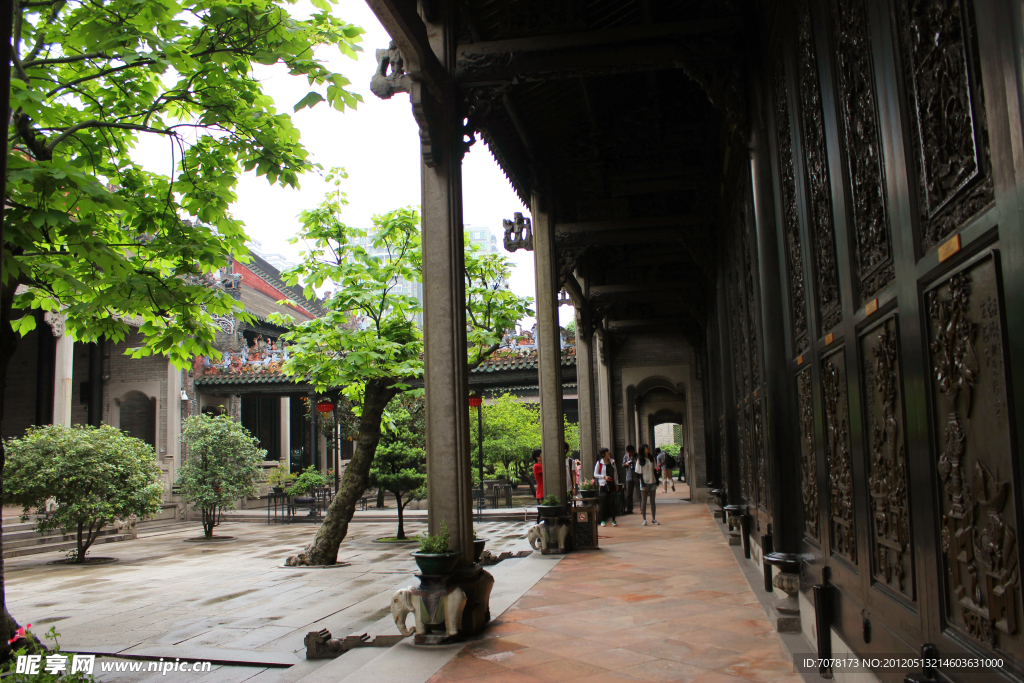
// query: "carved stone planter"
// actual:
[[735, 514], [549, 537], [478, 548], [788, 581], [445, 607], [439, 564]]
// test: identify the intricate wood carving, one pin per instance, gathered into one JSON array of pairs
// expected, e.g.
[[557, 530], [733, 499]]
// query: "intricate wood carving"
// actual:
[[746, 455], [979, 500], [808, 462], [949, 133], [759, 457], [887, 471], [822, 230], [866, 182], [790, 215], [749, 269], [837, 452]]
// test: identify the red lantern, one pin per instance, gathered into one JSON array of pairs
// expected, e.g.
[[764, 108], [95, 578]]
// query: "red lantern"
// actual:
[[325, 407], [475, 400]]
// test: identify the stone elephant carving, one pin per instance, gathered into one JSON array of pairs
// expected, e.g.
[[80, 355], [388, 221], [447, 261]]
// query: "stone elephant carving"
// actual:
[[403, 602], [408, 600], [537, 537], [563, 533]]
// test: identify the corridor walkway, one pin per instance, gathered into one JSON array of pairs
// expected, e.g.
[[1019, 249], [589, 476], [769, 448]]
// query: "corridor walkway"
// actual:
[[656, 603]]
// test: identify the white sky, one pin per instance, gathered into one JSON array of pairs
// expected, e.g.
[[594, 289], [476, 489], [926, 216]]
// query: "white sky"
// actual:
[[377, 143]]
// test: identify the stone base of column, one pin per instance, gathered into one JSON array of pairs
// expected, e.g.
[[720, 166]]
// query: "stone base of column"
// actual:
[[719, 515], [734, 538], [786, 623], [437, 603]]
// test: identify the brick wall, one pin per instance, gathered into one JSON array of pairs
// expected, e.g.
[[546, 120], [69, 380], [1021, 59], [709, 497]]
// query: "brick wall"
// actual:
[[118, 367]]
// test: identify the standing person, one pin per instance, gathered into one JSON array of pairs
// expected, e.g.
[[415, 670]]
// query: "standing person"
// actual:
[[661, 458], [682, 467], [648, 476], [607, 475], [538, 475], [628, 462]]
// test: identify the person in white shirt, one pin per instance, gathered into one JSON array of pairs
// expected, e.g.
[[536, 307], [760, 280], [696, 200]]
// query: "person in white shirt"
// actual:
[[607, 476], [648, 475]]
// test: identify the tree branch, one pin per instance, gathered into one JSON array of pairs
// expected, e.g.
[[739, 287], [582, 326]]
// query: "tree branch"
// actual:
[[96, 123], [64, 60]]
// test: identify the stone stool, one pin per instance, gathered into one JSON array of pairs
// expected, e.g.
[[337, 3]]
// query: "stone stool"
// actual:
[[788, 581], [734, 512], [719, 495]]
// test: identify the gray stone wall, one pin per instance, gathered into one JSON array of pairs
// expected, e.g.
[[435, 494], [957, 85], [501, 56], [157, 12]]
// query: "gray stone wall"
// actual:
[[20, 392], [120, 368]]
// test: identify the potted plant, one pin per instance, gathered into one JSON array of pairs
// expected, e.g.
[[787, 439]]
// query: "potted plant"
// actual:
[[588, 489], [478, 546], [306, 482], [280, 479], [551, 507], [433, 557]]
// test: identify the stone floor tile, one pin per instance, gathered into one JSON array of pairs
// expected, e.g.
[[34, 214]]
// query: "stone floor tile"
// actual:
[[522, 658], [563, 670], [614, 659]]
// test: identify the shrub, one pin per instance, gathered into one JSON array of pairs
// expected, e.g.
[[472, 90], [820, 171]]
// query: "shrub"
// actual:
[[436, 544], [95, 475], [551, 500], [223, 465], [308, 480]]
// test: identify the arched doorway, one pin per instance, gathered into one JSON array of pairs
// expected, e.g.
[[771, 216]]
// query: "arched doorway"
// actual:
[[138, 417]]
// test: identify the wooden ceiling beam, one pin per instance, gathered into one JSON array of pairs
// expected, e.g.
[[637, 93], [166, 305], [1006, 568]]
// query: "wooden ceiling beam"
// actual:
[[636, 48], [633, 225]]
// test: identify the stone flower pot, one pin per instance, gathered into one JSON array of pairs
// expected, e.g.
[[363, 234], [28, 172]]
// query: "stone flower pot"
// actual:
[[478, 548], [551, 511], [431, 564], [592, 493]]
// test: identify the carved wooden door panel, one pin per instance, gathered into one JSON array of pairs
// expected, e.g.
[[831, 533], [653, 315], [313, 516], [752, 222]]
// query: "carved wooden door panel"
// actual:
[[977, 478]]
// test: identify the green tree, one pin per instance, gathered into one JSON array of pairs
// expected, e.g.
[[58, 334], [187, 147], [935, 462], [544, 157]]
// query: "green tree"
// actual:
[[92, 233], [223, 465], [399, 466], [95, 475], [367, 342]]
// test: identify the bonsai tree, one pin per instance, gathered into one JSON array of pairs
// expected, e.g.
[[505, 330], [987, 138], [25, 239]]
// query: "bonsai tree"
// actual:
[[96, 475], [399, 466], [280, 478], [223, 465], [306, 482]]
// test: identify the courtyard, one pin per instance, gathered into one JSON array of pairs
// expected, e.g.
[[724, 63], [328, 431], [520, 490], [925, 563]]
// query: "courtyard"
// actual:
[[655, 603]]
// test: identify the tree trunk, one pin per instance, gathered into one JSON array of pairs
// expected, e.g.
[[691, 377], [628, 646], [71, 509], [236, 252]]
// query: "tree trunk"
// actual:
[[380, 498], [8, 345], [209, 521], [401, 508], [324, 548]]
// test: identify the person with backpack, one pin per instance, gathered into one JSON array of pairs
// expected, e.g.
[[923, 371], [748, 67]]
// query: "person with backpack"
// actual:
[[647, 473], [665, 463], [607, 476]]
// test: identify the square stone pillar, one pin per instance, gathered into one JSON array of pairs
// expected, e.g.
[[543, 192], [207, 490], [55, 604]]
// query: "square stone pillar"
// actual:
[[604, 393], [63, 374], [285, 436], [585, 384], [549, 353], [446, 377]]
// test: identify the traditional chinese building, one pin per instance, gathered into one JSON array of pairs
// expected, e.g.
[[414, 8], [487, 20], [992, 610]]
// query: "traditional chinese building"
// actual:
[[55, 380], [800, 223]]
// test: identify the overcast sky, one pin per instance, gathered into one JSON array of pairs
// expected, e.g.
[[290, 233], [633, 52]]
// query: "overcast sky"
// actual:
[[377, 143]]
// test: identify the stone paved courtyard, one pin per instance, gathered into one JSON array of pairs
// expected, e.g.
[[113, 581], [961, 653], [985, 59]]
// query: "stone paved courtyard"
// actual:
[[658, 604]]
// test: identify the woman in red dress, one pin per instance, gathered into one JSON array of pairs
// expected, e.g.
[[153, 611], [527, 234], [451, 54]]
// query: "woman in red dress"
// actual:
[[538, 474]]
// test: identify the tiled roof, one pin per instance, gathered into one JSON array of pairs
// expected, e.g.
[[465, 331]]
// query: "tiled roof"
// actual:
[[273, 276], [247, 378], [526, 362]]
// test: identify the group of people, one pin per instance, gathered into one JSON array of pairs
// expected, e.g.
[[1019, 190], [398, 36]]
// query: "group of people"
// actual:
[[644, 472]]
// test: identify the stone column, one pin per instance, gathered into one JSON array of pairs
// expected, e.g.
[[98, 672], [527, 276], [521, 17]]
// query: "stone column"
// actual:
[[549, 353], [285, 429], [585, 382], [174, 387], [604, 394], [445, 375], [63, 374]]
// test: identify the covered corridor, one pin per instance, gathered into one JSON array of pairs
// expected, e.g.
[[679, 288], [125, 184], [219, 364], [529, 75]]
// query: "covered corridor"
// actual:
[[655, 603]]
